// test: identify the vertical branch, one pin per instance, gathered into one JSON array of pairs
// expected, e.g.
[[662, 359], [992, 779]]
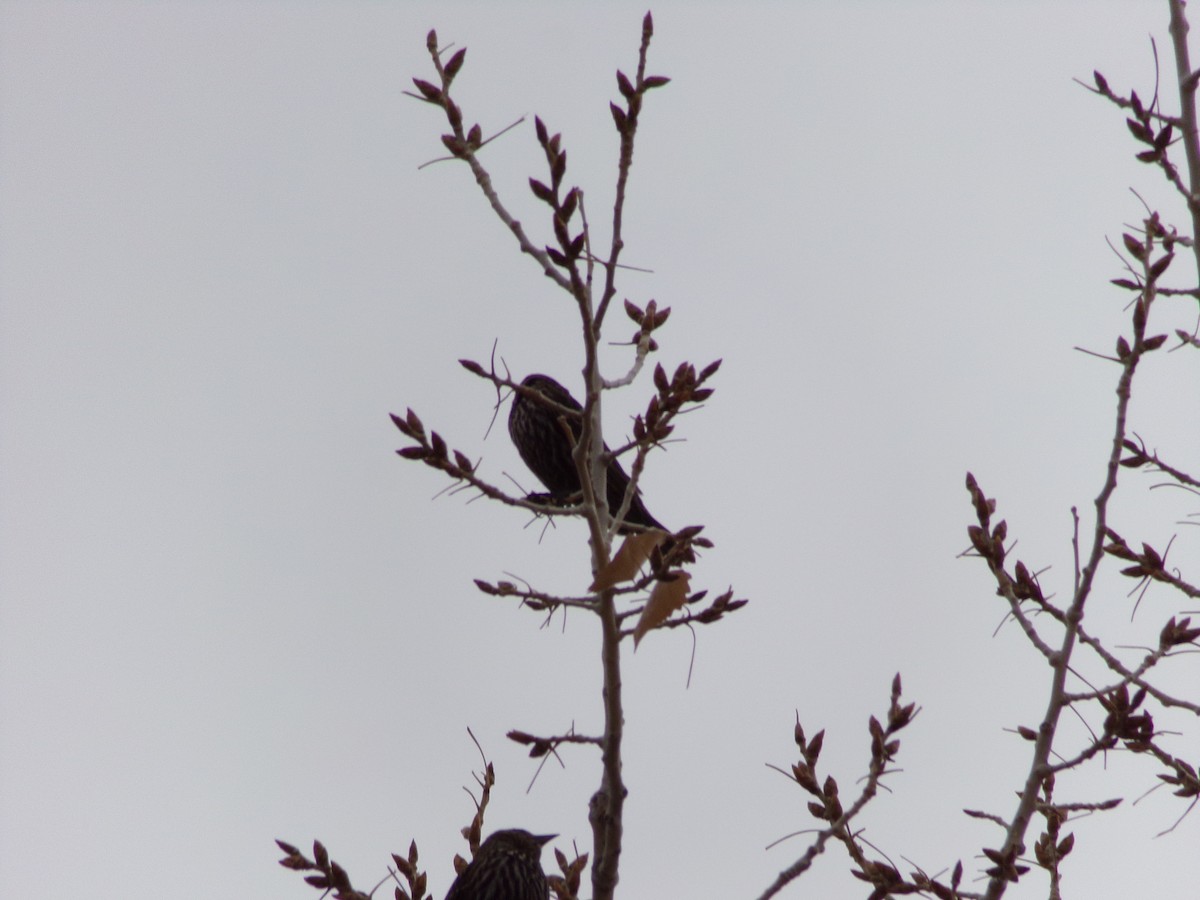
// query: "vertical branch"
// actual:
[[1186, 81], [608, 803], [589, 451], [590, 456], [1129, 355], [1040, 768], [627, 127]]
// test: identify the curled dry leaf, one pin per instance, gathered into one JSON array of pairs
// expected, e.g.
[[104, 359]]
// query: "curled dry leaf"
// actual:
[[632, 555], [668, 595]]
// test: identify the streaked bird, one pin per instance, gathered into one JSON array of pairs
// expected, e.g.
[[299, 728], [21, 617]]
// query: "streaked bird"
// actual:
[[546, 447], [508, 866]]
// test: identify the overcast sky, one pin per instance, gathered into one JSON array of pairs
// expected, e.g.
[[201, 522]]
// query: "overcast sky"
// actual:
[[229, 613]]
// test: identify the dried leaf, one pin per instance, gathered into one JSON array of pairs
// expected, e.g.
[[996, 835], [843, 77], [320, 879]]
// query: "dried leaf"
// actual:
[[668, 595], [629, 558]]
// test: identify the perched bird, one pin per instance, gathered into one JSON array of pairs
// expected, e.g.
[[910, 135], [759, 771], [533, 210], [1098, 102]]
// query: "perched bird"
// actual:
[[508, 866], [544, 445]]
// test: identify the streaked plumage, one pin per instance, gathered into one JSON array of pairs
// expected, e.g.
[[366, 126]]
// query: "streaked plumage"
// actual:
[[538, 434], [508, 866]]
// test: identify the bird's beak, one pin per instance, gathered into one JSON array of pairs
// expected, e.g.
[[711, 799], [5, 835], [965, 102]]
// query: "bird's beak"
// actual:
[[544, 839]]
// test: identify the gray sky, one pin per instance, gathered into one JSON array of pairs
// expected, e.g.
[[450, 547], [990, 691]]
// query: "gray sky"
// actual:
[[229, 613]]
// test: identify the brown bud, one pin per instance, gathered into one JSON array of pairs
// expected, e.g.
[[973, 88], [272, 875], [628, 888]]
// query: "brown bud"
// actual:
[[618, 115], [455, 63], [624, 85]]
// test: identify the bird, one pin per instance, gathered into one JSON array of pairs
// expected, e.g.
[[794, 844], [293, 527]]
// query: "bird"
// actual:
[[538, 434], [507, 866]]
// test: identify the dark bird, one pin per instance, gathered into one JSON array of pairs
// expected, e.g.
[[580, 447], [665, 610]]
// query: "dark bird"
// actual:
[[508, 866], [546, 447]]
